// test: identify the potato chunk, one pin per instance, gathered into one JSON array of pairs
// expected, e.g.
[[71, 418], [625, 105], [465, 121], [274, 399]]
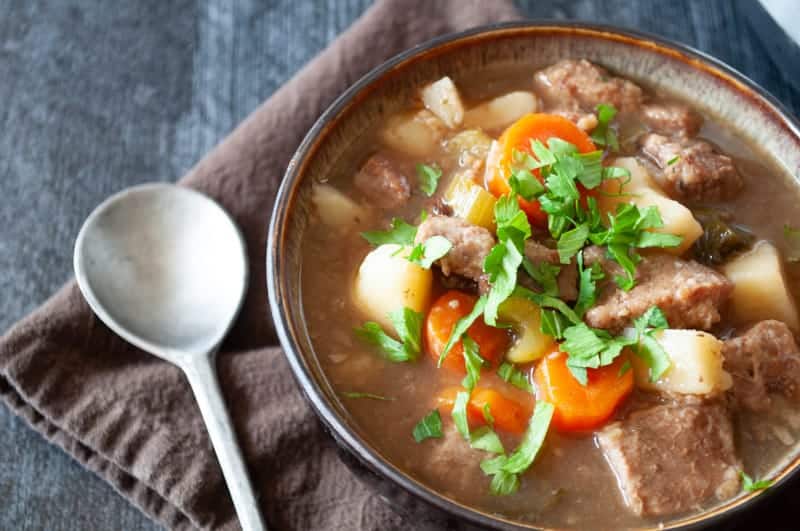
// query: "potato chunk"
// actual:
[[524, 317], [760, 291], [645, 193], [336, 210], [501, 111], [386, 282], [416, 133], [443, 100], [696, 364]]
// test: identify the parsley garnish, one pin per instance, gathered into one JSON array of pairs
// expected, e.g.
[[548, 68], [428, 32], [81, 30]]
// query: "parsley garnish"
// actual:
[[407, 324], [509, 373], [428, 178], [647, 347], [401, 233], [505, 470], [472, 361], [359, 394], [461, 327], [587, 285], [673, 160], [603, 134], [426, 253], [545, 274], [751, 485], [429, 427], [460, 413], [485, 438]]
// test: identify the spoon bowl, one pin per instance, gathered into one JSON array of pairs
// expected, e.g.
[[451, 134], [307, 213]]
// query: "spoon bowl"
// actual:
[[165, 267]]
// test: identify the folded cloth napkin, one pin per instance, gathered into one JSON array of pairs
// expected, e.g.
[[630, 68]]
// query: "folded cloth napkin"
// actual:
[[131, 417]]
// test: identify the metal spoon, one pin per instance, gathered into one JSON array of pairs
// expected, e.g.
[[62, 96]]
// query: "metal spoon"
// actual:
[[165, 267]]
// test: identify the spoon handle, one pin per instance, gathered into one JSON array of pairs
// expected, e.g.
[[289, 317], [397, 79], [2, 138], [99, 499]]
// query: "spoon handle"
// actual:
[[202, 374]]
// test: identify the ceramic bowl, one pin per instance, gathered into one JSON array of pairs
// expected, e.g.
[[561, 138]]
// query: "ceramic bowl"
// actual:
[[672, 68]]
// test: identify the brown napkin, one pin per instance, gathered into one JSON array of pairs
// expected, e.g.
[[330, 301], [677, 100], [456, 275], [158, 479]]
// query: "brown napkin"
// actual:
[[131, 418]]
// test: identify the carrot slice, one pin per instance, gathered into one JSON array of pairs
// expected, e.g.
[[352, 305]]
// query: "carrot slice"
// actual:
[[442, 317], [518, 137], [508, 414], [578, 407]]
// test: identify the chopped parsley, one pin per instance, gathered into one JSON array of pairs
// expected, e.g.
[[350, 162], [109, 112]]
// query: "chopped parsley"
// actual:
[[426, 253], [460, 413], [505, 470], [428, 178], [511, 374], [545, 274], [429, 427], [359, 394], [461, 327], [407, 324], [401, 233], [673, 160], [751, 485], [647, 347], [486, 439], [472, 362], [587, 285], [603, 134]]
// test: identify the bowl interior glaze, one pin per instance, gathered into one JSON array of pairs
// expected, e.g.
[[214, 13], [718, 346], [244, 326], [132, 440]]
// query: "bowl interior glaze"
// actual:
[[710, 85]]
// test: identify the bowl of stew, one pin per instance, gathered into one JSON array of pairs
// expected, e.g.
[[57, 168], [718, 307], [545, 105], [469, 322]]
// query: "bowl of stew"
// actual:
[[544, 276]]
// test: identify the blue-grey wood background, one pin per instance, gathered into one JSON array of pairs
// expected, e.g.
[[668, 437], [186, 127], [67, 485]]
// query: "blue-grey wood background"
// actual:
[[96, 96]]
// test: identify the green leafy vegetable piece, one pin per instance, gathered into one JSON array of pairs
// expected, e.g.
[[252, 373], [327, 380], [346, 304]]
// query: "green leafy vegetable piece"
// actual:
[[722, 238], [472, 361], [432, 249], [646, 345], [751, 485], [460, 413], [359, 394], [461, 327], [553, 323], [430, 427], [523, 182], [390, 348], [487, 414], [407, 324], [485, 438], [546, 301], [587, 285], [603, 134], [511, 374], [501, 265], [592, 173], [545, 274], [401, 233], [428, 178], [673, 160], [571, 242]]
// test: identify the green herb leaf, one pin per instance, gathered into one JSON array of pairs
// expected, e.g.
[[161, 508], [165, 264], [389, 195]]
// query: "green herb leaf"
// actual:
[[673, 160], [487, 414], [504, 484], [430, 427], [587, 285], [401, 233], [390, 348], [358, 394], [545, 274], [460, 413], [603, 134], [592, 172], [553, 323], [511, 374], [501, 265], [432, 249], [461, 327], [472, 361], [546, 301], [428, 178], [750, 485], [522, 458], [408, 325], [522, 182], [647, 346], [571, 242], [485, 438]]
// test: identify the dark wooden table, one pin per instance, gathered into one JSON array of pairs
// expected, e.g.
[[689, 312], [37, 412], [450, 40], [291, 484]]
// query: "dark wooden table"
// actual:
[[99, 96]]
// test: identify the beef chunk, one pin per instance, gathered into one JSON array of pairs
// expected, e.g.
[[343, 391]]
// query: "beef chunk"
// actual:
[[671, 458], [567, 277], [672, 118], [764, 359], [688, 293], [471, 244], [382, 183], [692, 169], [584, 120], [583, 85]]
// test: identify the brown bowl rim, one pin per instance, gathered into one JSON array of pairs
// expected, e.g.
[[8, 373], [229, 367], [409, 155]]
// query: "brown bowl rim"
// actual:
[[277, 287]]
